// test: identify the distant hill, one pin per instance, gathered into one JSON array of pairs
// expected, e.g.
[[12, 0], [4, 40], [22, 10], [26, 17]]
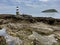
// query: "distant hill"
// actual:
[[49, 11]]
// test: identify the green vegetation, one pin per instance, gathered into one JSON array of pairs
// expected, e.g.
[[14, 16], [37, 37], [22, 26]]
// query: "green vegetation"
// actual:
[[50, 11]]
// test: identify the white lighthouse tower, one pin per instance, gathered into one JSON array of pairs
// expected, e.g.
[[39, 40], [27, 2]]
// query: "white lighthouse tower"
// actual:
[[17, 10]]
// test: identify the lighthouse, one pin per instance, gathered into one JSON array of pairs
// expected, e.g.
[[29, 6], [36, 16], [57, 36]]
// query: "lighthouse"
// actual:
[[17, 10]]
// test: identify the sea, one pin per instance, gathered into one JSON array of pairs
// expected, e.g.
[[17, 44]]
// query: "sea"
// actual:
[[53, 15]]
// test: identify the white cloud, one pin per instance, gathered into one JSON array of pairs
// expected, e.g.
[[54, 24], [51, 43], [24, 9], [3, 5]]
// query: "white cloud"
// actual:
[[4, 1], [15, 0], [32, 5], [48, 0], [7, 7], [19, 1], [44, 0]]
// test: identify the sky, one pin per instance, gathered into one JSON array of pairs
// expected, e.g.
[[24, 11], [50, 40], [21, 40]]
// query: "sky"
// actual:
[[32, 7]]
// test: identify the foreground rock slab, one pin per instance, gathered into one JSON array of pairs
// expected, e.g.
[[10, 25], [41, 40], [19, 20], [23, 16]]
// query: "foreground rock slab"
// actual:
[[44, 40]]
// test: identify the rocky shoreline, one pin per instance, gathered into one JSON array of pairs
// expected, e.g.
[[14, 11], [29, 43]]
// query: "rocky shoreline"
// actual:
[[28, 18], [47, 29]]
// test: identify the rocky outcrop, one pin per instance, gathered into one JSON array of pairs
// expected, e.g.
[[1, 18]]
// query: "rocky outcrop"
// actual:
[[20, 28], [47, 20], [29, 18], [10, 40], [5, 38], [20, 33], [44, 40]]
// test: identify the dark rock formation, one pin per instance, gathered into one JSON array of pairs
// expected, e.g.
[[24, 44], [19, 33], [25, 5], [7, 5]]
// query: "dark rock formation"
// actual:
[[28, 18]]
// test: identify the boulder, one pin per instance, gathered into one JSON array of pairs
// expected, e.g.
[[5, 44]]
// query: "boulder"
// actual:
[[45, 30], [44, 40], [10, 40]]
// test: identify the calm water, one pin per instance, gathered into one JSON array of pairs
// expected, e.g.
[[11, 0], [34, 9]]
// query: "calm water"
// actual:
[[54, 15]]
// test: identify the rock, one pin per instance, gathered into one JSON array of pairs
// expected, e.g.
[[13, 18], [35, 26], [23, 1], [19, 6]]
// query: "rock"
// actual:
[[55, 28], [46, 30], [10, 40], [42, 28], [44, 40], [2, 21], [57, 33], [2, 41], [12, 26], [2, 32]]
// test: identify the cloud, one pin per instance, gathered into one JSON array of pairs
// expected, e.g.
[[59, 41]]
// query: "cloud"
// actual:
[[7, 7], [19, 1], [48, 0], [32, 5], [44, 0], [3, 1], [15, 1]]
